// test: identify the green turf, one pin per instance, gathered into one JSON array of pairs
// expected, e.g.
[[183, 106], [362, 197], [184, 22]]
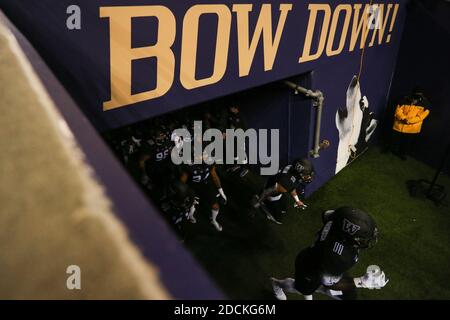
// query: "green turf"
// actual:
[[413, 248]]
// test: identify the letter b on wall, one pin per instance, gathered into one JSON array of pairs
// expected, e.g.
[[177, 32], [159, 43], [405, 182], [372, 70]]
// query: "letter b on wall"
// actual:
[[122, 54]]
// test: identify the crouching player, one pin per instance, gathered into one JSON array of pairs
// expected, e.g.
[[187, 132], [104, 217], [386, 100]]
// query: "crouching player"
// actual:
[[291, 178], [322, 267]]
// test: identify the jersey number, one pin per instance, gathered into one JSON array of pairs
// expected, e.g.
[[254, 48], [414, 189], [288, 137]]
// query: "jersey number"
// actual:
[[162, 155], [198, 178], [338, 248]]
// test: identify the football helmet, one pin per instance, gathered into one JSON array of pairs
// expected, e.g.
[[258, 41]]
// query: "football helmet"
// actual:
[[304, 169], [182, 197], [160, 136], [353, 226]]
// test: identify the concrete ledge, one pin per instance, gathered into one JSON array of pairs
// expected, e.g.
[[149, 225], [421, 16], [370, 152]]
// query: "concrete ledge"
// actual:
[[53, 212]]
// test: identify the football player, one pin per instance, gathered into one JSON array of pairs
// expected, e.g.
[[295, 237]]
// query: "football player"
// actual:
[[323, 266], [287, 181], [234, 120], [179, 206], [203, 179], [154, 162], [130, 144]]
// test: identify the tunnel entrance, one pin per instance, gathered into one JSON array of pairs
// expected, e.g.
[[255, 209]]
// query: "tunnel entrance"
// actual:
[[144, 149]]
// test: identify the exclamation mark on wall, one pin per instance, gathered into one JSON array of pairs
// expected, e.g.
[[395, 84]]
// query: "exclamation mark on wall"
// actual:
[[394, 17]]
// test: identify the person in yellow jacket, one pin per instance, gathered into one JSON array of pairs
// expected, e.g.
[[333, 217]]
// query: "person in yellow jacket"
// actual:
[[408, 120]]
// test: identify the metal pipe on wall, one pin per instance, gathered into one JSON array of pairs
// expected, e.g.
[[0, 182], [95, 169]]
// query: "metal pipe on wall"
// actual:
[[318, 99]]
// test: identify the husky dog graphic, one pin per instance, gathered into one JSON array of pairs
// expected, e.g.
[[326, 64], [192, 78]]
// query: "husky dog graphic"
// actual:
[[355, 124]]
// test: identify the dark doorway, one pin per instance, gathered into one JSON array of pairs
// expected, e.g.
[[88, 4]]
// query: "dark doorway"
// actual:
[[276, 106]]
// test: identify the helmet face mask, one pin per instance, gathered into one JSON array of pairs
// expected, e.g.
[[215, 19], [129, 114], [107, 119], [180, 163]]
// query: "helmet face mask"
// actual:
[[307, 178], [160, 138], [184, 204], [367, 243], [234, 109]]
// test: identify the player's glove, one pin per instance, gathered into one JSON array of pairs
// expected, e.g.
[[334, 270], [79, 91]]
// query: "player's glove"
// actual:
[[373, 279], [302, 206], [222, 197], [299, 204]]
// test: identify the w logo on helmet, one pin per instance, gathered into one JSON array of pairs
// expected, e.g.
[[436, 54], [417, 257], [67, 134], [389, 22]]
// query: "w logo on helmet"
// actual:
[[350, 227], [299, 167]]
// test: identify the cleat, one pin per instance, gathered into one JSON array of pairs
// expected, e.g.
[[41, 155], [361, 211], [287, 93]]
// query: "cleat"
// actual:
[[216, 225], [255, 202], [233, 169], [277, 291], [243, 172], [271, 218], [192, 220]]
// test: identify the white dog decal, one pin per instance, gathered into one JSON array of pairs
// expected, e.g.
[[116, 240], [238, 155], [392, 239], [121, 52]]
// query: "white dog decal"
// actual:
[[355, 125]]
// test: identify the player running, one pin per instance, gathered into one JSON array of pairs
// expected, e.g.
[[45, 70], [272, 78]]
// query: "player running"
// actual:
[[205, 182], [289, 180], [322, 268]]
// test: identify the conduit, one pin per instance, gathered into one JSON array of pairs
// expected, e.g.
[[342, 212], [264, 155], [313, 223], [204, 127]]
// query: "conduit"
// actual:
[[318, 99]]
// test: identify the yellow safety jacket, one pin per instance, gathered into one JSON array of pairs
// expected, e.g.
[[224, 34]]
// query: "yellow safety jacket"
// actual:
[[409, 118]]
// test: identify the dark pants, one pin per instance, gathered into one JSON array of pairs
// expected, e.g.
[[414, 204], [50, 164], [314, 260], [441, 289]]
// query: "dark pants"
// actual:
[[308, 277], [277, 208], [401, 143]]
